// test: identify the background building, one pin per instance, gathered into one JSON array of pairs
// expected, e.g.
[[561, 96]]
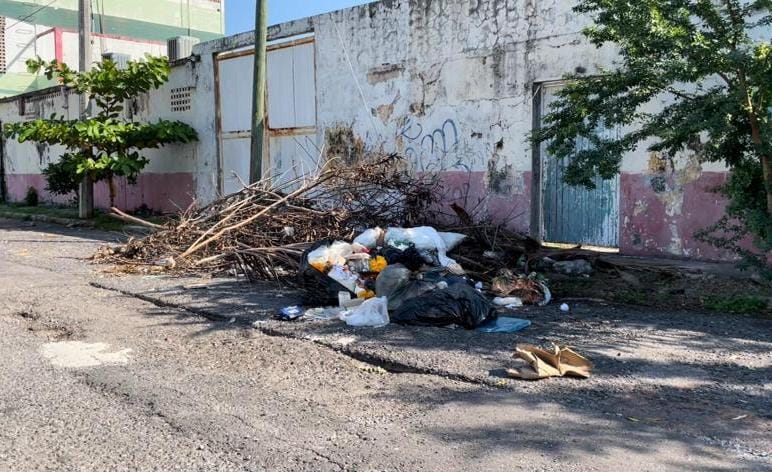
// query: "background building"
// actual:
[[48, 28], [455, 90]]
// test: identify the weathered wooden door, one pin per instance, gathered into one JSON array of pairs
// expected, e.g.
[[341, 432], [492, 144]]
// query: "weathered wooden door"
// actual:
[[576, 215], [234, 89], [292, 130], [291, 149]]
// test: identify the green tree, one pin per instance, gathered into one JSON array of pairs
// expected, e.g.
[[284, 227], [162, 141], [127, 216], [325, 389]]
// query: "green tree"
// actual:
[[108, 144], [62, 176], [702, 58]]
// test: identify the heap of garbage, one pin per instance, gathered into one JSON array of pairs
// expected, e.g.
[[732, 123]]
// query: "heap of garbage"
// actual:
[[262, 230], [354, 237], [405, 276]]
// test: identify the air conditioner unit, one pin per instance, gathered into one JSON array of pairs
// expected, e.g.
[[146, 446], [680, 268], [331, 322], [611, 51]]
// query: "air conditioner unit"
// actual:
[[121, 60], [180, 47]]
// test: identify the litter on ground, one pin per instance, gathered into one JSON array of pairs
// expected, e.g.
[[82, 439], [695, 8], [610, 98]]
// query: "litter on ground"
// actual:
[[554, 362], [362, 242]]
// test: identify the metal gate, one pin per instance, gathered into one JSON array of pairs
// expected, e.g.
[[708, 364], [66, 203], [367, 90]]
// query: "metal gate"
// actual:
[[291, 135], [576, 215]]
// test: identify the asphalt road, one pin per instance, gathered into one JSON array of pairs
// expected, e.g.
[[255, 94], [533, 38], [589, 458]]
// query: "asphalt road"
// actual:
[[91, 379]]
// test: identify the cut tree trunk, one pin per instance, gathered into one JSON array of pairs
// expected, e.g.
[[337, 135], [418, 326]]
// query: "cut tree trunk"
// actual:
[[766, 165], [111, 184], [766, 162]]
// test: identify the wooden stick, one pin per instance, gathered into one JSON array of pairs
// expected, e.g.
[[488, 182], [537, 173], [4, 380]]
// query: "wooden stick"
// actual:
[[211, 259], [119, 215]]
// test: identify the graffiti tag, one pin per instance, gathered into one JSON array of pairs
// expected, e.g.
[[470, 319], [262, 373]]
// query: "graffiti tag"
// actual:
[[434, 150]]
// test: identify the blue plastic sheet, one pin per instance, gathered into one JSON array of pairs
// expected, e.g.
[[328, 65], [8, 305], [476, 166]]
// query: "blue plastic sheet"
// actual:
[[504, 325], [290, 313]]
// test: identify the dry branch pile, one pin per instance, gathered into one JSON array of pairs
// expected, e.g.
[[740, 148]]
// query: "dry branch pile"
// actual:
[[262, 230]]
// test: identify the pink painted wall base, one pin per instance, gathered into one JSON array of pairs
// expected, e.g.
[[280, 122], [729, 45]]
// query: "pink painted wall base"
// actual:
[[166, 193], [506, 203], [660, 216]]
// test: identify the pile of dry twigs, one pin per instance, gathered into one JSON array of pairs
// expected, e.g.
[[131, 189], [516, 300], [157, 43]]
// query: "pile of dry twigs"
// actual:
[[262, 230]]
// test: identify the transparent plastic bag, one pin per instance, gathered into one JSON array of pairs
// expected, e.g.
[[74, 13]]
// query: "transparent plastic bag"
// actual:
[[372, 313]]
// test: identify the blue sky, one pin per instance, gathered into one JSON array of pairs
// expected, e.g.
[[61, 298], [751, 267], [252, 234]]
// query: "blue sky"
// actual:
[[240, 14]]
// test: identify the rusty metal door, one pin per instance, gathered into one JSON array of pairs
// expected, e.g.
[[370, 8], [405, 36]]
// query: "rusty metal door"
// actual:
[[576, 215], [291, 135]]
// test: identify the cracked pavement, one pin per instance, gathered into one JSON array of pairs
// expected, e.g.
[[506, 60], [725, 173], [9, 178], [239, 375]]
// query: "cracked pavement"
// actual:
[[98, 379]]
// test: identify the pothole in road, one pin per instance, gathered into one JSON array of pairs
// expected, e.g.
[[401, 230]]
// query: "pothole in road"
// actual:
[[45, 327]]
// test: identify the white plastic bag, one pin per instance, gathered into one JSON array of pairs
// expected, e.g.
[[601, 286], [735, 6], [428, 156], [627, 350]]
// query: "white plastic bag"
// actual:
[[372, 313], [509, 302], [424, 238], [452, 240], [547, 294], [334, 254], [370, 238], [339, 252]]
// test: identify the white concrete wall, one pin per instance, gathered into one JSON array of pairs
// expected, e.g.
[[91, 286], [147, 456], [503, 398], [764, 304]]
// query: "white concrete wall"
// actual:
[[420, 64], [446, 83], [167, 183], [456, 73], [27, 158], [31, 158]]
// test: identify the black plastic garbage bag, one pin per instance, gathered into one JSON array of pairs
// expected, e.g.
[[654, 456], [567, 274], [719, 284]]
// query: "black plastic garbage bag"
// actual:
[[318, 288], [408, 291], [391, 279], [410, 257], [441, 275], [458, 304], [424, 283]]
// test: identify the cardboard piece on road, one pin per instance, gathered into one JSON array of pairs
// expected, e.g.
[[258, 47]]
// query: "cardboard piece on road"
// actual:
[[542, 363]]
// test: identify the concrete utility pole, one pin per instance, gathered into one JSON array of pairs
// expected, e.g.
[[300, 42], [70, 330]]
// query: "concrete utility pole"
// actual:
[[258, 91], [86, 201]]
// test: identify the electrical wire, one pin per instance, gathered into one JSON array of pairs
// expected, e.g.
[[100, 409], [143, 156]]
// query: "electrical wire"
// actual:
[[22, 20], [184, 14], [102, 48], [101, 14], [367, 107]]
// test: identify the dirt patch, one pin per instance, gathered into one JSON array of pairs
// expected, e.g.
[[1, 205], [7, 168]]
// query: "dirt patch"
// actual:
[[688, 290]]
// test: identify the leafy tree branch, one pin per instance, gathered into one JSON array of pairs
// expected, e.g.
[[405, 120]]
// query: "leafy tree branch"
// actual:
[[700, 58]]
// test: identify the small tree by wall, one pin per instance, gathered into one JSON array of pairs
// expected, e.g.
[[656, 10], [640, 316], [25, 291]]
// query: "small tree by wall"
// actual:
[[106, 145]]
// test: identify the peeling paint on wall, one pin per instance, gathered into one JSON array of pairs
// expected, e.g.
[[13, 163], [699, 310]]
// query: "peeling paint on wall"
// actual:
[[384, 73], [341, 143]]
